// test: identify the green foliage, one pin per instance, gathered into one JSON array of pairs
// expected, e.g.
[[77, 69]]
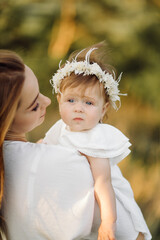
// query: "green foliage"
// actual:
[[131, 29]]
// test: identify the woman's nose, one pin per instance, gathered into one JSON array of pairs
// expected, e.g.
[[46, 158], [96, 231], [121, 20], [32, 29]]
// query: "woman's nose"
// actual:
[[45, 101]]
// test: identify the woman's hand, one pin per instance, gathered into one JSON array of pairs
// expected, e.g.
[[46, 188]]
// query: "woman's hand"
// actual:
[[106, 231]]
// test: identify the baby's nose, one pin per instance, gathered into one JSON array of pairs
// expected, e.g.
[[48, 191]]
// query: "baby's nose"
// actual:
[[79, 107]]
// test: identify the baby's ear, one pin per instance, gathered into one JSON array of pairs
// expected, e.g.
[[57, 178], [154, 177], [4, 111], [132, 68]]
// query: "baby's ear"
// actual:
[[105, 108], [58, 97]]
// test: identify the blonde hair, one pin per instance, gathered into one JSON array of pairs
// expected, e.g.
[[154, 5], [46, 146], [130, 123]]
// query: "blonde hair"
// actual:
[[11, 81], [98, 56]]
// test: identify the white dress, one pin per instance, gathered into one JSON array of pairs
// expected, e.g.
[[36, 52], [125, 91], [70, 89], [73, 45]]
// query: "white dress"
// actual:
[[105, 141], [49, 192]]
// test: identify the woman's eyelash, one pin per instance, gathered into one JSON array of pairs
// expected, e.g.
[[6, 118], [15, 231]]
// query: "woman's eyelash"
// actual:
[[36, 107]]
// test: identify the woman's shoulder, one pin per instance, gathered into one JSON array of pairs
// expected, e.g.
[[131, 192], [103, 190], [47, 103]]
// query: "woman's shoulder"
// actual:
[[29, 148], [47, 162], [21, 148], [50, 183], [27, 151]]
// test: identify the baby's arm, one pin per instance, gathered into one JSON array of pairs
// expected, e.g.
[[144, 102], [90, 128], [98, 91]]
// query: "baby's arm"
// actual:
[[104, 194]]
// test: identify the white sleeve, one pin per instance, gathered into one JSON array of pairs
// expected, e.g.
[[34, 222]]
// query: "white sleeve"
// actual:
[[104, 141], [63, 194]]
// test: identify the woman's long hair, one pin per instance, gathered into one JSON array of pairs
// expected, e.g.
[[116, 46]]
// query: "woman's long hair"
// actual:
[[11, 82]]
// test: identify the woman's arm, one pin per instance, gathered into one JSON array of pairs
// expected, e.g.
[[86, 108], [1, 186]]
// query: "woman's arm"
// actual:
[[105, 197]]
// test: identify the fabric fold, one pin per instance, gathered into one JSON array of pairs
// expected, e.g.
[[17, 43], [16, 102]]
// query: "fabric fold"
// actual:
[[103, 141]]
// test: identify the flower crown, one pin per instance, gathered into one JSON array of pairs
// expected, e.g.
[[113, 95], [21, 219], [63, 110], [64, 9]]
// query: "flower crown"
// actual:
[[87, 68]]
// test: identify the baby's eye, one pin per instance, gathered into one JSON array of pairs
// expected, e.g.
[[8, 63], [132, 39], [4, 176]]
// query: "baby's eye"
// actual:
[[36, 107], [71, 100], [89, 103]]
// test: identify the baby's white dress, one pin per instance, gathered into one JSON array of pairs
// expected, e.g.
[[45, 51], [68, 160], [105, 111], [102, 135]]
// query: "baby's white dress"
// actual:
[[105, 141]]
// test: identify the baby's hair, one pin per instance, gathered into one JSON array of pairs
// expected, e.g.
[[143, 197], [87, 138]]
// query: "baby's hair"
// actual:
[[98, 56]]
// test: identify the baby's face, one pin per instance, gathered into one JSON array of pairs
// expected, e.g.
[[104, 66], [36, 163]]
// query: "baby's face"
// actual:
[[81, 111]]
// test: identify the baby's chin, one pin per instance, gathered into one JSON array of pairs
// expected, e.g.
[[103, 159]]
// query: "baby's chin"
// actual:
[[79, 125], [79, 129]]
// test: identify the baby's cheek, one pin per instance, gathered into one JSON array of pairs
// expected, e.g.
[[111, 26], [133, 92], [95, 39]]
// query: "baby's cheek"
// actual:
[[66, 116], [93, 121]]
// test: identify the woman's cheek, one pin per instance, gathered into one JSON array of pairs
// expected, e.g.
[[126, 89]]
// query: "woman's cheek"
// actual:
[[28, 123]]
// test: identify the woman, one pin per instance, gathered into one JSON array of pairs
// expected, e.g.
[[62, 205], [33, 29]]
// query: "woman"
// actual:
[[36, 203], [40, 199]]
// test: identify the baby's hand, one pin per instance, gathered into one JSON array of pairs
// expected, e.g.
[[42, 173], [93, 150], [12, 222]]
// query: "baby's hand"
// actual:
[[106, 231], [40, 140]]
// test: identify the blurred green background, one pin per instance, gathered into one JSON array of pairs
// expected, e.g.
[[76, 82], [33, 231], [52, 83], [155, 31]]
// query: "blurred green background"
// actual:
[[43, 32]]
